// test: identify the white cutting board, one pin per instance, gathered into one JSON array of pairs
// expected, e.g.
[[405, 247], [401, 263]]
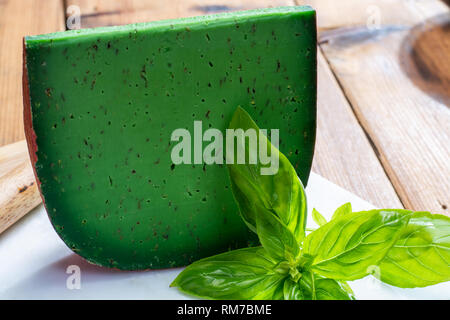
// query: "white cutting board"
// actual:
[[34, 261]]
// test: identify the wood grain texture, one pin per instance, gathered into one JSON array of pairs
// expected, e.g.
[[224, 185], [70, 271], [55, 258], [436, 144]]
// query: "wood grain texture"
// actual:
[[11, 155], [343, 153], [425, 57], [408, 123], [95, 13], [17, 19], [18, 190], [346, 14]]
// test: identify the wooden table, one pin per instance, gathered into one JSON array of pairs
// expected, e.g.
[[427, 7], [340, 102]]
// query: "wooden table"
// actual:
[[383, 99]]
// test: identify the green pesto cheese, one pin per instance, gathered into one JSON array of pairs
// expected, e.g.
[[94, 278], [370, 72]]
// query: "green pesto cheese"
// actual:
[[101, 105]]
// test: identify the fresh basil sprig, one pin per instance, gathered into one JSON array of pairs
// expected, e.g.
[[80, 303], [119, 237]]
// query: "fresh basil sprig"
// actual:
[[281, 194], [403, 248]]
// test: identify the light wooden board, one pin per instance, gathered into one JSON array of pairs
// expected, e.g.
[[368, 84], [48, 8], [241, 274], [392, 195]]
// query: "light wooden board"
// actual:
[[343, 153], [11, 155], [105, 12], [18, 194], [18, 189], [408, 124], [17, 19]]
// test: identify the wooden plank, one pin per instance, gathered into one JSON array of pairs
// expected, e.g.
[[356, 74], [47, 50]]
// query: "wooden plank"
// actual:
[[18, 189], [19, 194], [11, 155], [17, 19], [386, 73], [105, 12], [343, 153]]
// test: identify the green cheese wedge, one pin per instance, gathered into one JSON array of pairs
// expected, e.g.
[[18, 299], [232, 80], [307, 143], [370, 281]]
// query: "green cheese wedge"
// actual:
[[101, 105]]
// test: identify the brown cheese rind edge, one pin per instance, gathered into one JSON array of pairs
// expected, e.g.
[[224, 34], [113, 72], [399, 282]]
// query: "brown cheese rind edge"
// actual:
[[30, 135]]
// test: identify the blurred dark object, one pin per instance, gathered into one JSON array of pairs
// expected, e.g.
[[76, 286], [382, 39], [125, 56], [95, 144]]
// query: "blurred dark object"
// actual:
[[423, 51]]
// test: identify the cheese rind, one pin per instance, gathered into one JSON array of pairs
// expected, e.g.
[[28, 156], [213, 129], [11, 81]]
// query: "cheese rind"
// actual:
[[100, 107]]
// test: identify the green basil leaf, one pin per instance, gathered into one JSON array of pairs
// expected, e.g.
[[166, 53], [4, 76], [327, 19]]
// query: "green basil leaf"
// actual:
[[292, 291], [315, 287], [318, 218], [278, 240], [342, 210], [281, 193], [421, 256], [329, 289], [346, 248], [344, 285], [240, 274]]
